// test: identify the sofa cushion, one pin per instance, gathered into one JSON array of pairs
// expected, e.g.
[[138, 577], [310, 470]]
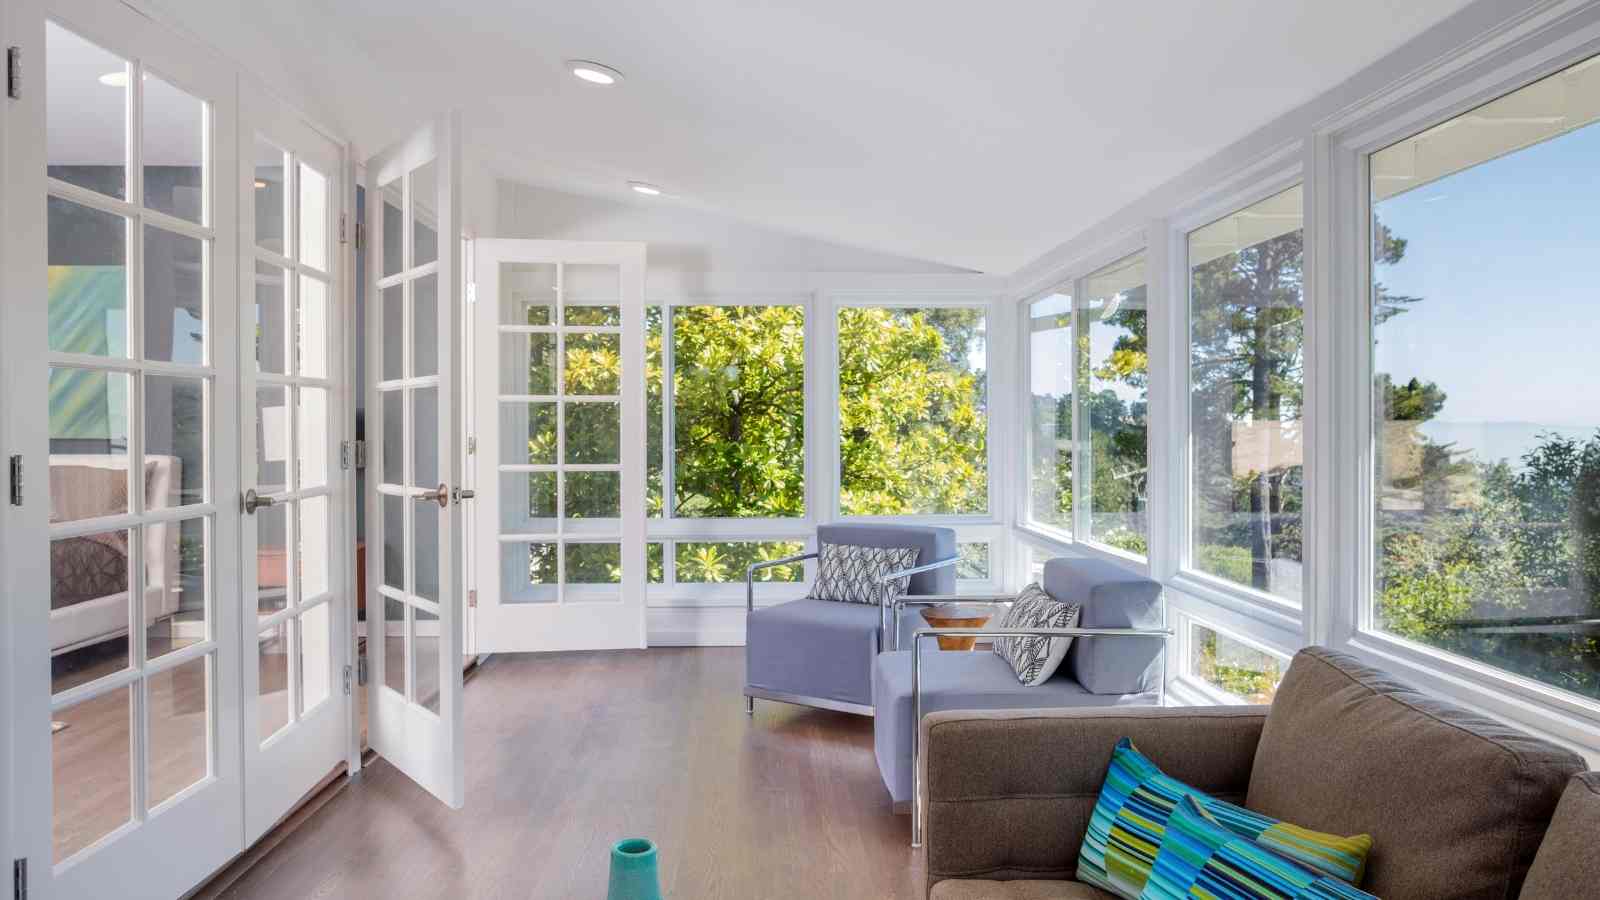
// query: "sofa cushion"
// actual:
[[1035, 659], [973, 889], [933, 543], [1456, 804], [850, 573], [813, 648], [958, 680], [1111, 597], [1567, 864]]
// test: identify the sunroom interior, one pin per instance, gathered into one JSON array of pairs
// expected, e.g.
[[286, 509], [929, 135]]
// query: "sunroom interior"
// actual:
[[706, 450]]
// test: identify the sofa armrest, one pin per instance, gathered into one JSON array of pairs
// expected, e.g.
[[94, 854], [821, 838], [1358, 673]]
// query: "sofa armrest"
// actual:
[[1009, 792]]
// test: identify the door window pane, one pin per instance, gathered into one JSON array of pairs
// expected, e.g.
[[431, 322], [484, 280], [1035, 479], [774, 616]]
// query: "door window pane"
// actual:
[[89, 583], [175, 563], [1486, 431], [86, 119], [272, 322], [393, 446], [394, 311], [314, 230], [87, 280], [1050, 411], [425, 437], [394, 645], [590, 283], [593, 364], [313, 344], [425, 646], [394, 529], [593, 495], [913, 411], [593, 563], [594, 433], [272, 559], [316, 656], [593, 315], [272, 439], [393, 228], [271, 198], [528, 364], [1113, 379], [174, 297], [88, 444], [1233, 666], [91, 770], [425, 326], [175, 431], [425, 214], [528, 572], [1246, 393], [272, 688], [174, 150], [527, 293], [527, 502], [313, 545], [179, 717], [426, 522], [315, 447], [738, 411], [528, 433]]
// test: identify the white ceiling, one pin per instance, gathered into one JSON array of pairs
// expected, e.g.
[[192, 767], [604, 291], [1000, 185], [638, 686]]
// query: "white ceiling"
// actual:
[[973, 134]]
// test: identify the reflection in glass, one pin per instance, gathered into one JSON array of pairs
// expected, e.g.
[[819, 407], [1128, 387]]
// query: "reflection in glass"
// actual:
[[272, 689], [179, 718], [175, 432], [593, 315], [312, 357], [527, 293], [87, 280], [426, 549], [590, 283], [86, 102], [313, 545], [272, 319], [528, 364], [316, 656], [174, 150], [89, 579], [91, 771], [527, 502], [425, 648], [1050, 421], [424, 214], [271, 211], [315, 447], [392, 228], [528, 572], [272, 559], [394, 645], [89, 444], [527, 433], [1113, 382], [313, 218], [394, 529], [272, 439], [174, 585], [174, 297], [974, 564]]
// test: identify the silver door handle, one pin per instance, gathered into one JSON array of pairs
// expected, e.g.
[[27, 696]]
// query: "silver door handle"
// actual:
[[464, 494], [253, 501], [439, 495]]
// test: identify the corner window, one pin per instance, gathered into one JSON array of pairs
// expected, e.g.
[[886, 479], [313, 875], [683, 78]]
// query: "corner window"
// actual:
[[1486, 431], [1050, 411], [1113, 380], [1246, 396]]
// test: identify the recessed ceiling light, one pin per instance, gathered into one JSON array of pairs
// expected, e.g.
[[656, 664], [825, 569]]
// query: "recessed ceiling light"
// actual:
[[646, 188], [117, 79], [593, 72]]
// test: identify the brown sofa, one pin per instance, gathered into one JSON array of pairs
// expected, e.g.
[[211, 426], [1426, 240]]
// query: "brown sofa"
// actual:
[[1458, 806]]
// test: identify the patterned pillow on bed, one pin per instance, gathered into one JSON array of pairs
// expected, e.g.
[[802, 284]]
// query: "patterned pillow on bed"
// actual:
[[849, 573], [1035, 659]]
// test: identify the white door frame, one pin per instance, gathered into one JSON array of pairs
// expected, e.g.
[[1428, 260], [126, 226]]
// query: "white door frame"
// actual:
[[579, 620]]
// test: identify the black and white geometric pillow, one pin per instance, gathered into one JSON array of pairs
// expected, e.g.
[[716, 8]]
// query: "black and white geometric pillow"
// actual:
[[1035, 659], [849, 573]]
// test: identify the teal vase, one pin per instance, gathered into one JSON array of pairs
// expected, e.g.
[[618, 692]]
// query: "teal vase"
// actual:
[[633, 871]]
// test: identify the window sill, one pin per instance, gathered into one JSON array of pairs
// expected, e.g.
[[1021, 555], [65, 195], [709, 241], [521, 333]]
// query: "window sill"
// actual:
[[1245, 602]]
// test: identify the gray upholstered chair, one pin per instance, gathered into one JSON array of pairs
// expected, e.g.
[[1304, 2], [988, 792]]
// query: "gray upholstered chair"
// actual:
[[1115, 660], [820, 652]]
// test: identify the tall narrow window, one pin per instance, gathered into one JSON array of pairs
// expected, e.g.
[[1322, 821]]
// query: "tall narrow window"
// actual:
[[1113, 382], [1486, 429], [1050, 410], [913, 411], [1246, 394]]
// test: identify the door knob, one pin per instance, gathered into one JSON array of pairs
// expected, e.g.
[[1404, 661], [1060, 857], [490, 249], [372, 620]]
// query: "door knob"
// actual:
[[253, 501], [439, 495]]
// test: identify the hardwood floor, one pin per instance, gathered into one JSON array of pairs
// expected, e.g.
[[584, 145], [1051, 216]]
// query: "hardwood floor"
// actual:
[[567, 753]]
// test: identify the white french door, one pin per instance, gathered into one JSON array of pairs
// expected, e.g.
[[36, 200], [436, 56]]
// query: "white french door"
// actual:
[[414, 521], [293, 402], [560, 428], [118, 333]]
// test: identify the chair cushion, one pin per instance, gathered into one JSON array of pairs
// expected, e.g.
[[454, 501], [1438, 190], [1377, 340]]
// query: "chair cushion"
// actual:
[[1567, 864], [1198, 857], [1456, 804], [1111, 597], [813, 648], [965, 889], [1035, 659], [953, 679], [933, 544], [850, 573]]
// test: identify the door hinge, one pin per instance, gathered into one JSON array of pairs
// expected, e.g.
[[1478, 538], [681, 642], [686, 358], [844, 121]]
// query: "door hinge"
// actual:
[[19, 879], [361, 235], [472, 598], [16, 479], [14, 73], [348, 677], [472, 292], [341, 228], [472, 445], [361, 670], [353, 454]]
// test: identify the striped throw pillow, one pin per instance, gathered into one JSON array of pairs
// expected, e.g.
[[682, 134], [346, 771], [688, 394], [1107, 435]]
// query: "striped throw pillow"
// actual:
[[1130, 819], [1199, 857]]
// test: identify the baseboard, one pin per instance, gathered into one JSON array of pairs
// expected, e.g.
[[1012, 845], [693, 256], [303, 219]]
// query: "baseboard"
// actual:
[[688, 626]]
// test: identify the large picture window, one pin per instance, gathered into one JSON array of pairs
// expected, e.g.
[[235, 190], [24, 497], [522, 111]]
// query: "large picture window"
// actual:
[[1113, 380], [1050, 410], [1246, 396], [913, 411], [1486, 429]]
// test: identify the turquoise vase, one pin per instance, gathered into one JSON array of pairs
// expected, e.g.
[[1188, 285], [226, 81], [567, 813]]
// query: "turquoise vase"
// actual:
[[633, 871]]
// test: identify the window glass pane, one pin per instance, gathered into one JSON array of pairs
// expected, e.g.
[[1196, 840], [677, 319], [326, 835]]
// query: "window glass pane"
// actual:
[[89, 580], [1050, 422], [179, 718], [425, 647], [738, 384], [913, 411], [86, 118], [593, 563], [591, 283], [654, 412], [527, 502], [527, 293], [594, 315], [594, 433], [425, 326], [175, 431], [394, 312], [1246, 394], [394, 529], [91, 767], [174, 585], [974, 564], [425, 520], [270, 197], [315, 448], [528, 434], [592, 495], [654, 556], [528, 572], [393, 425], [593, 364], [88, 443], [1233, 666], [712, 562], [424, 214], [174, 297], [1113, 381], [314, 230], [394, 645], [272, 559], [316, 660], [174, 150], [312, 357], [313, 546], [272, 323], [425, 437], [1486, 432], [528, 364], [393, 226], [88, 280], [272, 439], [272, 689]]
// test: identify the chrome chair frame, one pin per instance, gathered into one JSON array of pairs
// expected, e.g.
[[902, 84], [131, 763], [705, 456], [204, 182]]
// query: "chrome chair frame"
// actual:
[[883, 623], [916, 686]]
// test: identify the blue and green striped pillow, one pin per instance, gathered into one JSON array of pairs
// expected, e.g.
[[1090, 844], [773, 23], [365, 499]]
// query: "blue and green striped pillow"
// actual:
[[1201, 858], [1130, 818]]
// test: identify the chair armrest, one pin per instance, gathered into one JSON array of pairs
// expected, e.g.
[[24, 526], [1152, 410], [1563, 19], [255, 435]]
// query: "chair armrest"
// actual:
[[750, 576], [1009, 792], [918, 570]]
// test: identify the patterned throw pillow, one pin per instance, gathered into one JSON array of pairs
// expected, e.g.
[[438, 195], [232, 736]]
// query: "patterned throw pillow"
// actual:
[[1035, 659], [849, 574], [1201, 858], [1130, 820]]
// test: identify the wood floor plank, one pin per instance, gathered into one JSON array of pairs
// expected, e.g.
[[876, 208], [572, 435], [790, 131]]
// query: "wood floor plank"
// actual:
[[567, 753]]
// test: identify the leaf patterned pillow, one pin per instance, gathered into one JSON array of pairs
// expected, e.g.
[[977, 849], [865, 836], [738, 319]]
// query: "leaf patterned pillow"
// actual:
[[1035, 659], [849, 573]]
